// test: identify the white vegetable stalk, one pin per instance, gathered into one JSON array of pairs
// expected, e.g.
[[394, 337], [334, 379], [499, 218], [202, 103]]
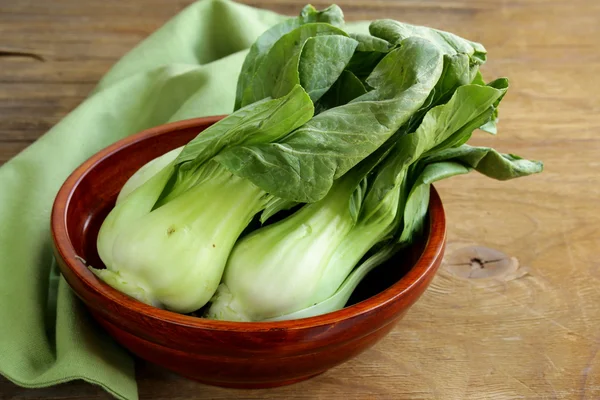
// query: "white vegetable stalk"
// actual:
[[173, 256], [300, 261], [365, 234], [147, 171]]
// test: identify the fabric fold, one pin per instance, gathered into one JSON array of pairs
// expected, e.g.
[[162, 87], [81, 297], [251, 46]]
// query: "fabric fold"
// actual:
[[186, 69]]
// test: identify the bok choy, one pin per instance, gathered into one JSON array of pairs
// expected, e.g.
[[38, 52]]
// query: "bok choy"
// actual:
[[348, 130], [309, 263]]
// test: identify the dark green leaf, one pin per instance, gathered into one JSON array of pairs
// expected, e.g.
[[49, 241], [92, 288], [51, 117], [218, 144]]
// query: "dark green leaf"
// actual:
[[456, 73], [363, 63], [332, 15], [371, 43], [417, 202], [263, 121], [457, 161], [442, 125], [331, 143], [369, 53], [347, 88], [322, 61], [488, 162], [278, 71], [394, 32]]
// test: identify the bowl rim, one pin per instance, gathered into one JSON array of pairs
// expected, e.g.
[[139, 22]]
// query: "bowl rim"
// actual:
[[421, 270]]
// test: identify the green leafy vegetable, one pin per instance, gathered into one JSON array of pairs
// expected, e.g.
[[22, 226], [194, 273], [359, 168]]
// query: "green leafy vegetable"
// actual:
[[310, 262], [332, 142], [332, 15], [286, 251], [318, 69], [184, 206], [488, 162], [347, 88], [173, 257], [395, 32], [262, 121], [368, 54], [322, 172], [147, 172], [297, 53]]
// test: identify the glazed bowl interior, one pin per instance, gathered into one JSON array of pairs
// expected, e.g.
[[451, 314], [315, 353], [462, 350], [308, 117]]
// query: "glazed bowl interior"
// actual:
[[90, 193]]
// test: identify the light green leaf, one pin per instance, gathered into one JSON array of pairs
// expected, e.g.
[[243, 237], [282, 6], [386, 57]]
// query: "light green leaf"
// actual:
[[464, 134], [490, 127], [478, 79], [275, 205]]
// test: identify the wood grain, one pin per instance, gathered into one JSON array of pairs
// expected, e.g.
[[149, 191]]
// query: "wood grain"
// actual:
[[536, 337]]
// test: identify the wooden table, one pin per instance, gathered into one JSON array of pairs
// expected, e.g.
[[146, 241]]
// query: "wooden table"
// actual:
[[534, 333]]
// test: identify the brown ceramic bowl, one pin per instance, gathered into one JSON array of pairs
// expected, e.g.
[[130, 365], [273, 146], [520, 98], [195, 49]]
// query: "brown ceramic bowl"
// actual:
[[231, 354]]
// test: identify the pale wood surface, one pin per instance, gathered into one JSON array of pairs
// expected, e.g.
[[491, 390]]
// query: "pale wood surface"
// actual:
[[533, 337]]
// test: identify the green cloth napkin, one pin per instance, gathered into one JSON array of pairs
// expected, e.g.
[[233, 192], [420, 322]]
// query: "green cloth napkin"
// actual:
[[186, 69]]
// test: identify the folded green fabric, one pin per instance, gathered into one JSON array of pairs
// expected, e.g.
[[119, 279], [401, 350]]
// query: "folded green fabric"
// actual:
[[186, 69]]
